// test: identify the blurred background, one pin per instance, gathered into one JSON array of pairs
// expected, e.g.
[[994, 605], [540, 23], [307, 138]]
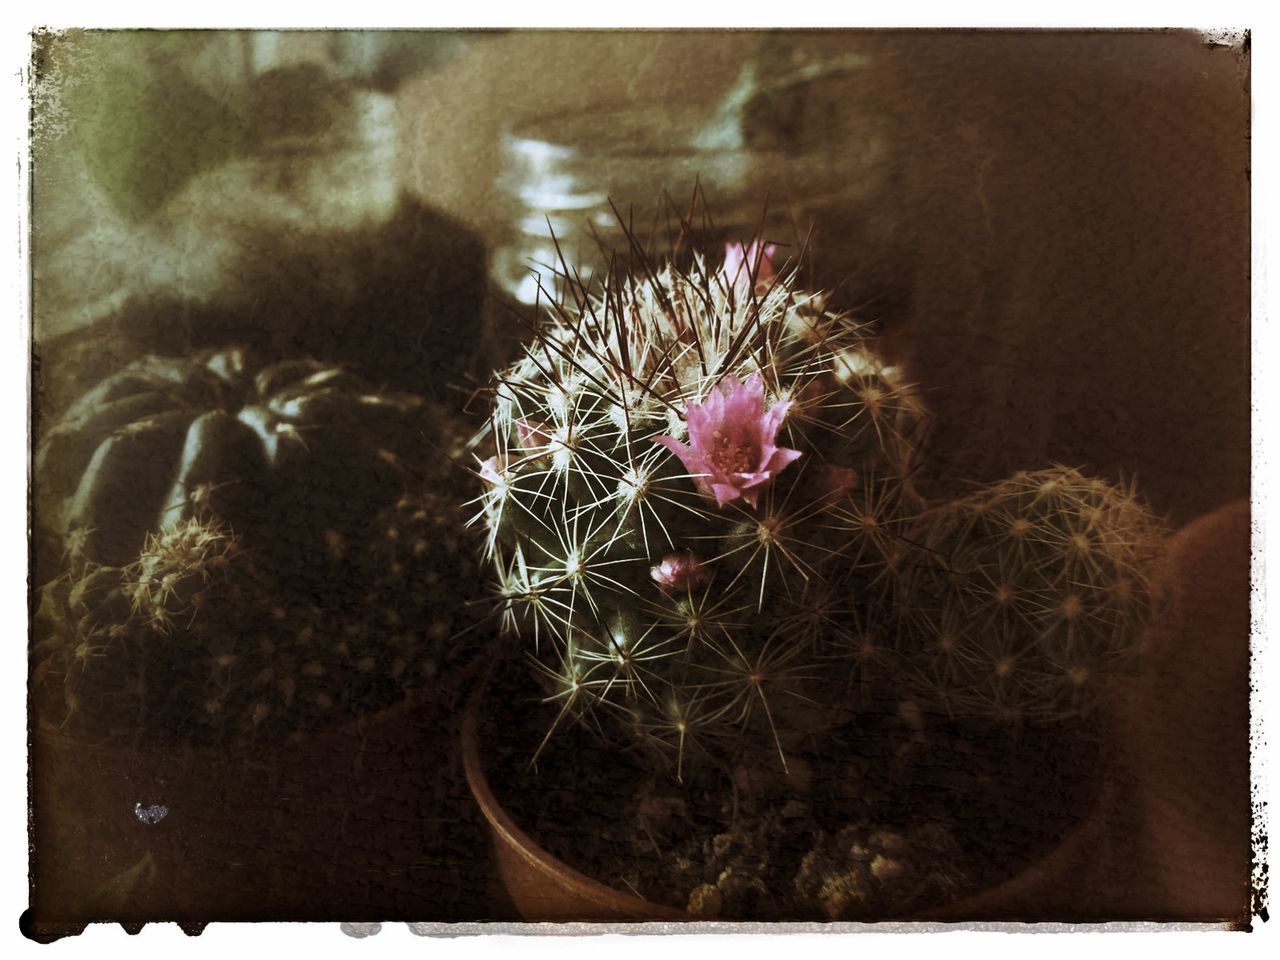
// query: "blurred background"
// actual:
[[1050, 228]]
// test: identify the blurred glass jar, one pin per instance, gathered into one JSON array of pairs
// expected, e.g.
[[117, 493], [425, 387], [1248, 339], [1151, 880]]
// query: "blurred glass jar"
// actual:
[[804, 158], [161, 157]]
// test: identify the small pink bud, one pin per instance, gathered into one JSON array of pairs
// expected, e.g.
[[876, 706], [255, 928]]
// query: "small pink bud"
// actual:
[[681, 570], [533, 435], [491, 471], [744, 265]]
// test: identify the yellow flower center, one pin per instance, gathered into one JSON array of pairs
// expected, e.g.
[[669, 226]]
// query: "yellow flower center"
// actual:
[[732, 457]]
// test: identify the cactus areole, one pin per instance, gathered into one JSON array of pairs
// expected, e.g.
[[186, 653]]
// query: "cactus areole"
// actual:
[[274, 451], [697, 474]]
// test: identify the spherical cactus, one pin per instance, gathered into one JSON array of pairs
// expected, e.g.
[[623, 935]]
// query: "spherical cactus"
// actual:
[[694, 473], [282, 453], [1021, 599], [232, 563], [134, 652]]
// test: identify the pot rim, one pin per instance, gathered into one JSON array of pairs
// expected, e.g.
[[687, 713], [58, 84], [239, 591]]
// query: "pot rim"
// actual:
[[554, 869], [990, 903]]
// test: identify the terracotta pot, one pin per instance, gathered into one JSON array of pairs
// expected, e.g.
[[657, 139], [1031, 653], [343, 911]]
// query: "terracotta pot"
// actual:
[[1167, 836], [1184, 729], [544, 888], [1171, 838], [540, 886]]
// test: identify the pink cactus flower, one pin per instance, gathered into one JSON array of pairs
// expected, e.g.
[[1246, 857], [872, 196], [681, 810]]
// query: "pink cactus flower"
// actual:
[[681, 570], [742, 264], [732, 450]]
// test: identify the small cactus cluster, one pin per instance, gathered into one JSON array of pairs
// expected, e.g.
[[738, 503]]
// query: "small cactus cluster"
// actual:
[[700, 515], [197, 642], [862, 871], [702, 521], [698, 474], [1020, 599], [233, 620], [194, 643]]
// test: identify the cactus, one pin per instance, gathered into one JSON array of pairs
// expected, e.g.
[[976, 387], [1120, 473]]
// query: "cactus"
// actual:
[[198, 642], [1021, 599], [697, 475], [183, 570], [422, 571], [280, 452], [250, 552], [863, 871]]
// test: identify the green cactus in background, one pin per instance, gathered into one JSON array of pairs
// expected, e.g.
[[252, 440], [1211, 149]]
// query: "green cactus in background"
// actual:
[[283, 452], [197, 642], [248, 553], [1022, 598], [697, 475]]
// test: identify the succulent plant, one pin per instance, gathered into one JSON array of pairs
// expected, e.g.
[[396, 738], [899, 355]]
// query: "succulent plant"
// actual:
[[283, 454], [198, 642], [249, 554], [423, 586], [134, 652], [1022, 598], [864, 871], [697, 473]]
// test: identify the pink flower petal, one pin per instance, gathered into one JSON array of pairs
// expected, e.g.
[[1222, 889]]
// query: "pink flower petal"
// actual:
[[681, 450], [732, 450], [727, 492], [772, 421], [681, 570], [781, 459], [745, 268], [734, 259], [700, 428]]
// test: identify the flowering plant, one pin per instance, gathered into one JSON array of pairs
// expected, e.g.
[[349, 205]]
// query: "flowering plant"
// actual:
[[706, 541], [748, 268], [691, 495], [732, 450]]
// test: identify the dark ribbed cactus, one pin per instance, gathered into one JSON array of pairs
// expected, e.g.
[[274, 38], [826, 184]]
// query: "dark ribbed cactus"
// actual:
[[246, 555], [283, 453]]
